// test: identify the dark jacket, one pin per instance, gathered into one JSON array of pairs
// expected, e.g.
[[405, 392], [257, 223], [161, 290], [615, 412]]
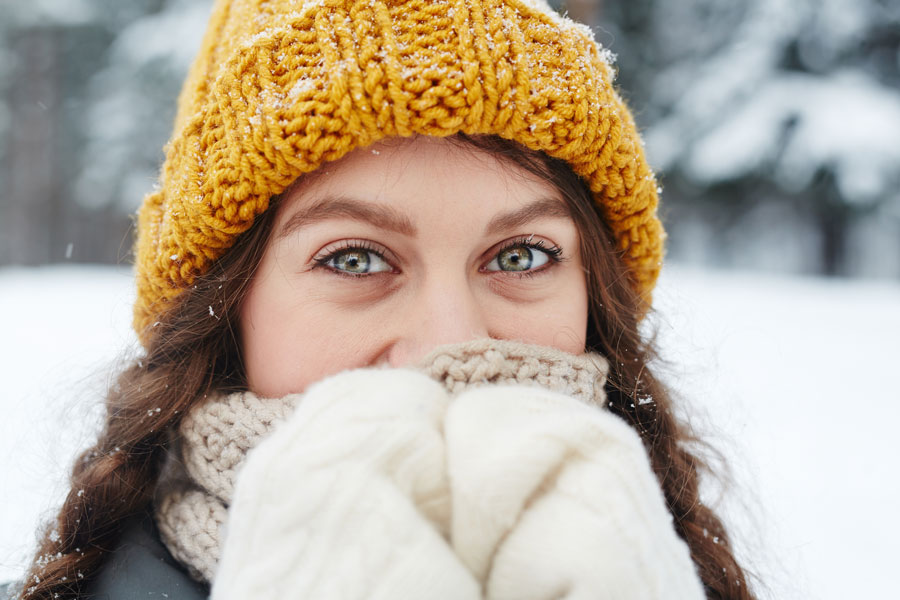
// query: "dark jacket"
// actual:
[[139, 568]]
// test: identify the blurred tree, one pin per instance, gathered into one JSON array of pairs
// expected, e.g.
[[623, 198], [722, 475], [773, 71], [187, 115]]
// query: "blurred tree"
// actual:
[[87, 92], [131, 104], [46, 55], [784, 112]]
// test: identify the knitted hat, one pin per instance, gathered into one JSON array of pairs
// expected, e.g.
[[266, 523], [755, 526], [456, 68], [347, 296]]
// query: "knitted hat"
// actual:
[[282, 86]]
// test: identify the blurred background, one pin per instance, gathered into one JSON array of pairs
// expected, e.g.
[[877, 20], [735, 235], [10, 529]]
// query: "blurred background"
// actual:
[[774, 126]]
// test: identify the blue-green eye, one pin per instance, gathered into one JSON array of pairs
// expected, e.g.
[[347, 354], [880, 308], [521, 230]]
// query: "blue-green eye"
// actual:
[[356, 261], [521, 256]]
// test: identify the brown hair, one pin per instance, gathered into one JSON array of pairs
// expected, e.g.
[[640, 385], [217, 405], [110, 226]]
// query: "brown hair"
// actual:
[[195, 349]]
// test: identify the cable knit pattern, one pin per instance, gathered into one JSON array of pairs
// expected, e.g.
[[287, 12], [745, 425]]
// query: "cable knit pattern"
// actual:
[[280, 87], [467, 484]]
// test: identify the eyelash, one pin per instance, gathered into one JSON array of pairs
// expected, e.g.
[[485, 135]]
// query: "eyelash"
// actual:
[[321, 261], [554, 254]]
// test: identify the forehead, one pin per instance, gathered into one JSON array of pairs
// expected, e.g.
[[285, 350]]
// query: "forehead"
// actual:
[[422, 173]]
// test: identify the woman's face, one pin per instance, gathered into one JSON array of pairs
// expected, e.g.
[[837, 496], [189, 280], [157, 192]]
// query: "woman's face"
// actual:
[[404, 246]]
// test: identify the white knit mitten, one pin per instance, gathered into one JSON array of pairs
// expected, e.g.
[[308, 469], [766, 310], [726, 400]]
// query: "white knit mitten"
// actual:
[[384, 485], [344, 500], [553, 499]]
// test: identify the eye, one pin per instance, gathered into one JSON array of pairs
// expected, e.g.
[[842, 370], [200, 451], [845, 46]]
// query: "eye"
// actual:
[[521, 256], [354, 260]]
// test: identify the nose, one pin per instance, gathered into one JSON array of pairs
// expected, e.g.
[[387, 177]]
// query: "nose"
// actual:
[[443, 314]]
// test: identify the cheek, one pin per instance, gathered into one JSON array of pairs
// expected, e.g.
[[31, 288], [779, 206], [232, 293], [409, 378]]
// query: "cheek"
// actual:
[[559, 319], [569, 333], [272, 354], [290, 341]]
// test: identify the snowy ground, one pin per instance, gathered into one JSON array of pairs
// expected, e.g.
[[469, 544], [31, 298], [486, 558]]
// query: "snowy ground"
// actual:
[[795, 380]]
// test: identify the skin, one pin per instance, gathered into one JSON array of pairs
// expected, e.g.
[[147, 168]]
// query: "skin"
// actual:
[[400, 247]]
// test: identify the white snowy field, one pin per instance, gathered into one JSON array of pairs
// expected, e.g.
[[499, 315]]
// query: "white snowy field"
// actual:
[[795, 380]]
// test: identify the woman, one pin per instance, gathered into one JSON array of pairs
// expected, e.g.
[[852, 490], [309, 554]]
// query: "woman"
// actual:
[[389, 292]]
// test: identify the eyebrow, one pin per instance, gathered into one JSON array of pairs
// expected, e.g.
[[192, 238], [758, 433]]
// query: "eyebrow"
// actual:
[[383, 217], [541, 209], [388, 218]]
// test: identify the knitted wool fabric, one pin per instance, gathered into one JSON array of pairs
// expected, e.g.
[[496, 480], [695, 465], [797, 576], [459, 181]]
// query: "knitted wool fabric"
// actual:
[[282, 86], [214, 438]]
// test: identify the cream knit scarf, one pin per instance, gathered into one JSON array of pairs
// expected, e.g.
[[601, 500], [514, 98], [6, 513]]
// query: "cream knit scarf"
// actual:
[[215, 437]]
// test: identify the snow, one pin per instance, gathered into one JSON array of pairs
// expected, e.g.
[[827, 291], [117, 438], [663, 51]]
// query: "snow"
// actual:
[[846, 120], [793, 379], [47, 12], [798, 382], [63, 330], [702, 93], [152, 37], [742, 111], [132, 98]]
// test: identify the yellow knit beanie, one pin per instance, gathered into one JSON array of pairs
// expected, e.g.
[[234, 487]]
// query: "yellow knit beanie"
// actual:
[[281, 86]]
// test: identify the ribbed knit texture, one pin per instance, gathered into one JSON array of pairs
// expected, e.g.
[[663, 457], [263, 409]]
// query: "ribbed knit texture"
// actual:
[[282, 86], [214, 438], [499, 362], [213, 442]]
